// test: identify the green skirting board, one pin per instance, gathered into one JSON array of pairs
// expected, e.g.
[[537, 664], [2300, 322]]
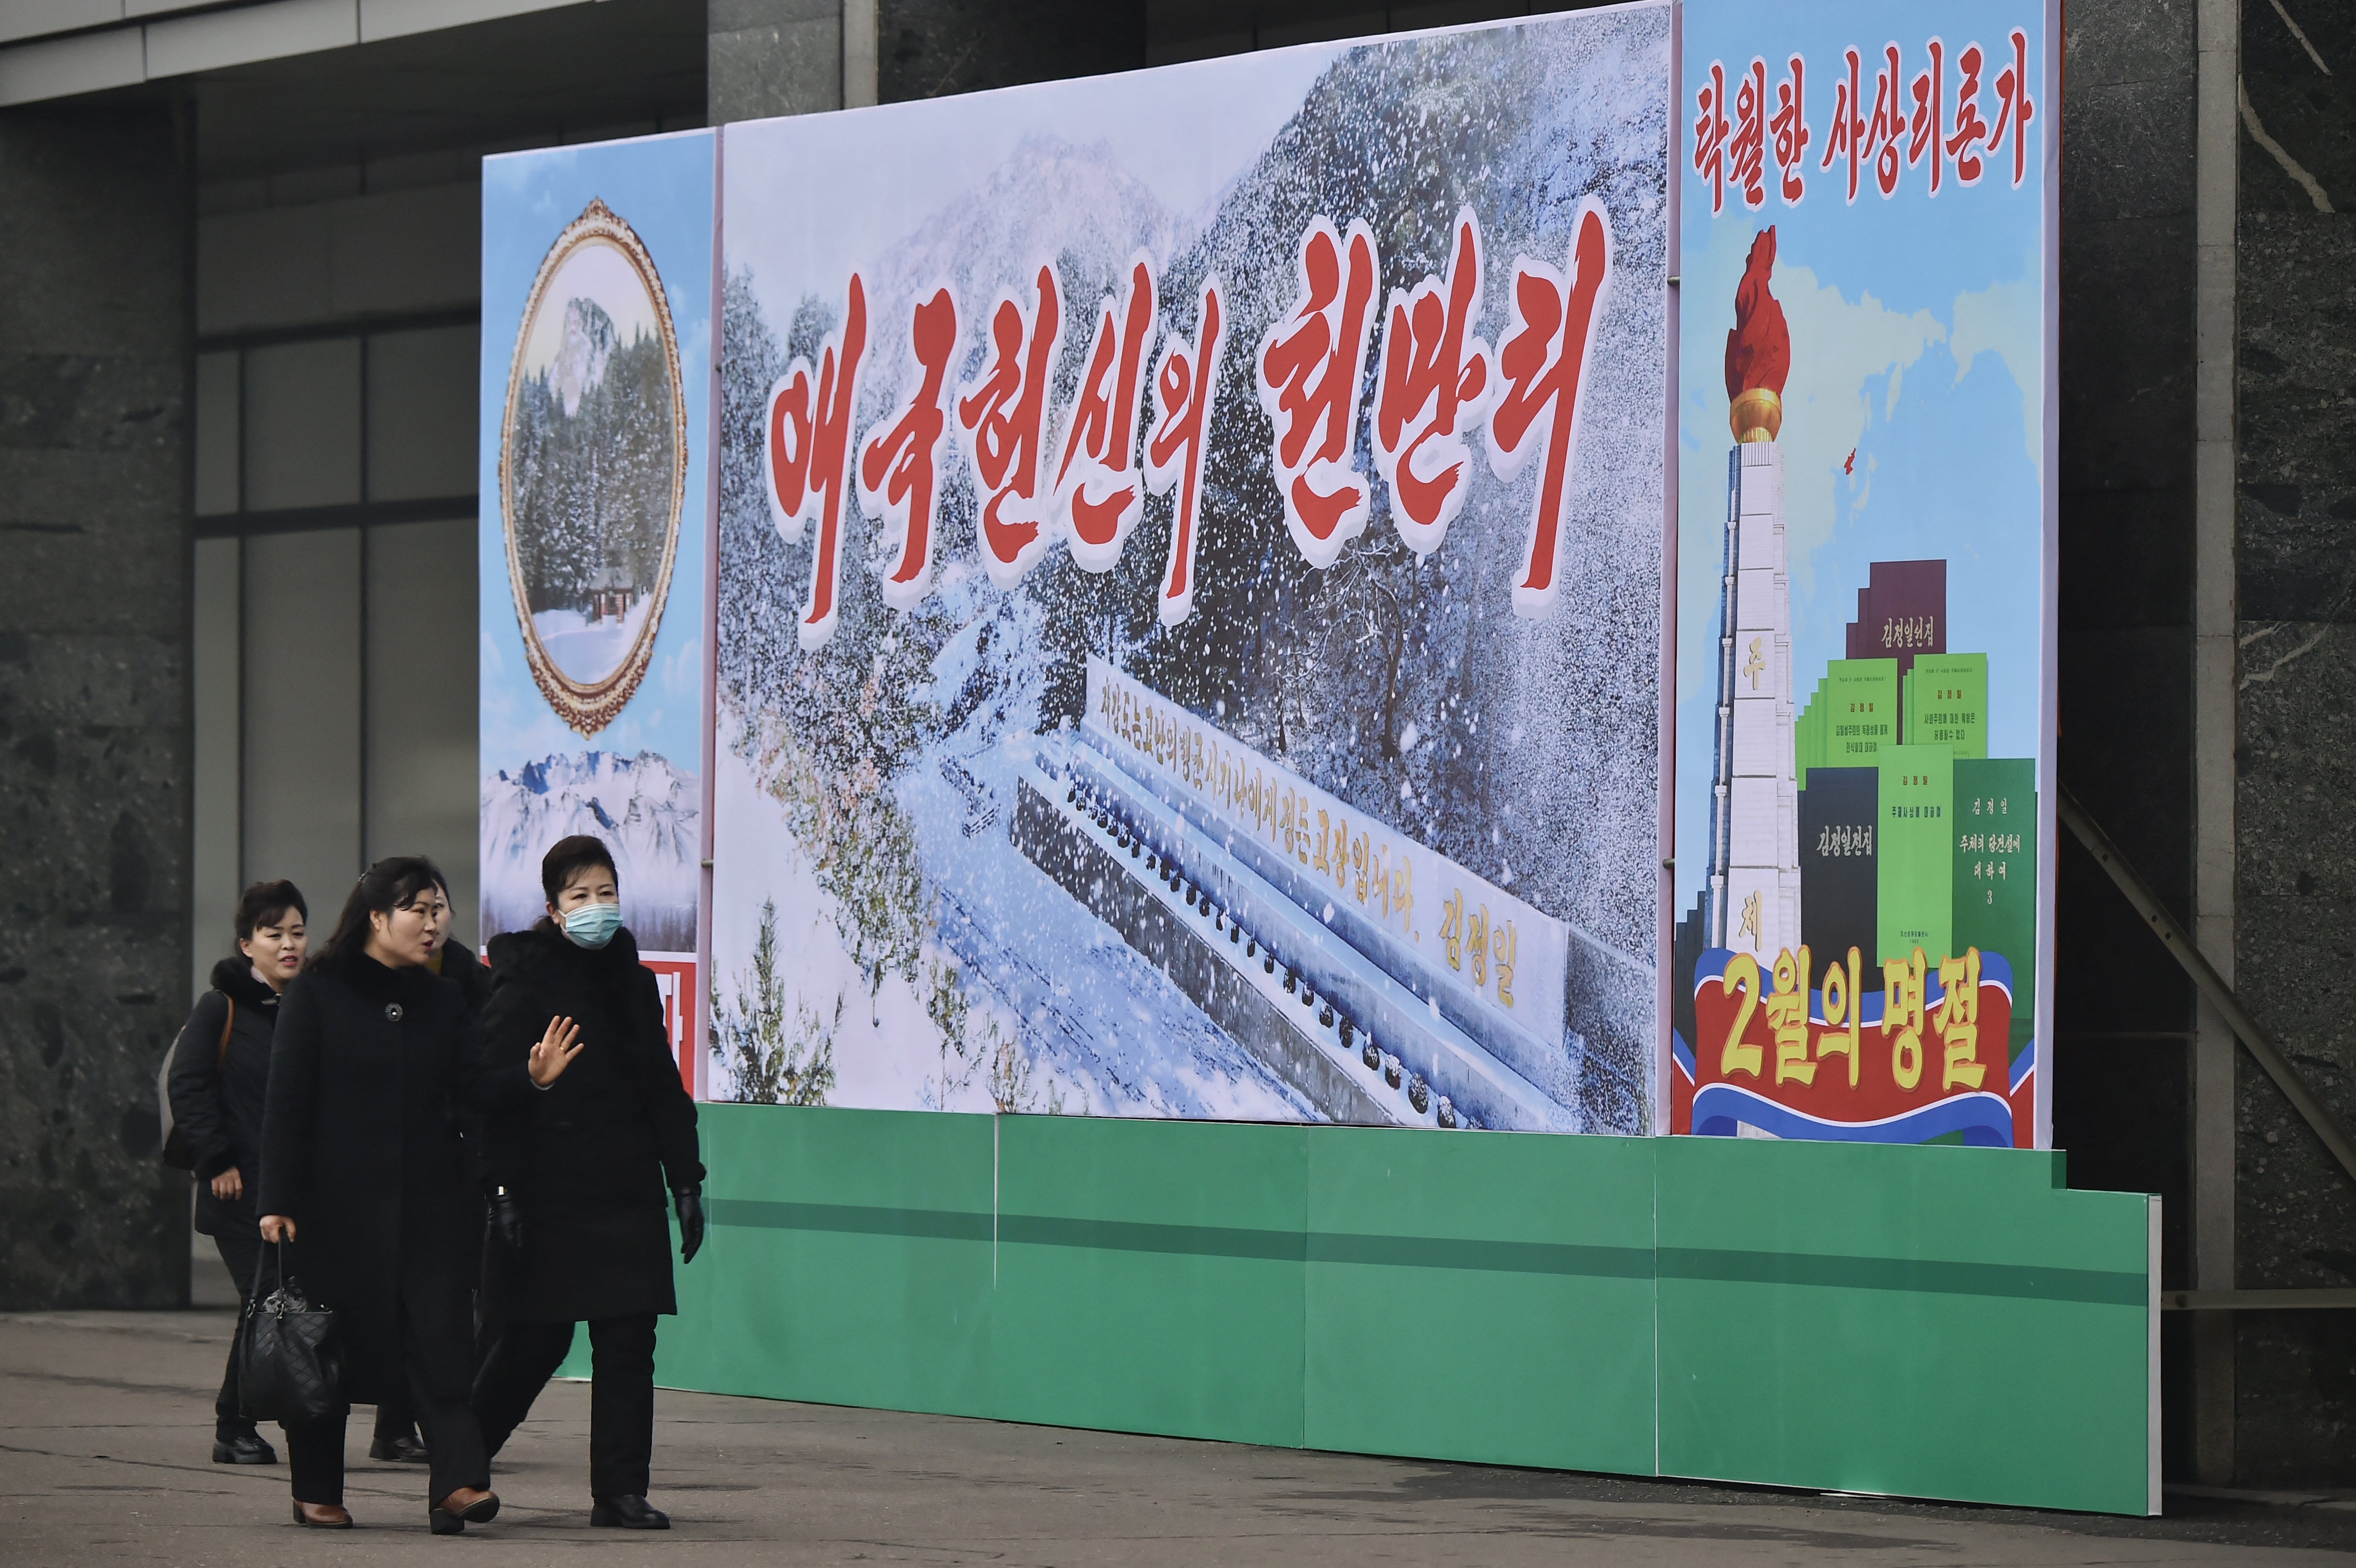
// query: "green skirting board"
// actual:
[[1931, 1322]]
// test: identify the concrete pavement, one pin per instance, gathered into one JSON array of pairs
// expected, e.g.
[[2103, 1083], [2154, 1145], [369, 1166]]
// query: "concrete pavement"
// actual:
[[105, 1426]]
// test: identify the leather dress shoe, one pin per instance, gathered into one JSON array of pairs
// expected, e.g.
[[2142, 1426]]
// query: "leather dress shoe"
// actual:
[[403, 1450], [451, 1515], [627, 1513], [323, 1516], [243, 1448]]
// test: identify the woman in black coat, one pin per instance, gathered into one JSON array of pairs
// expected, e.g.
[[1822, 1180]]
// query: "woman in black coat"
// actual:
[[361, 1164], [579, 1231], [220, 1067], [395, 1438]]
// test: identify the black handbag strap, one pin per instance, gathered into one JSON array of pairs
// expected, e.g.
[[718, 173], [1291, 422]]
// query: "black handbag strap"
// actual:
[[270, 1250]]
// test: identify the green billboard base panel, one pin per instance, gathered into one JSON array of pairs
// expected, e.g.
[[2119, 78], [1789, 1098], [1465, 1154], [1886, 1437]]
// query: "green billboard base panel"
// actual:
[[1150, 1280], [1920, 1321], [1480, 1297]]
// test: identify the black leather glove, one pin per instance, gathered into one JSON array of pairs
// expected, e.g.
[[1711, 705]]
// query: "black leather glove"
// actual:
[[507, 1219], [688, 1200]]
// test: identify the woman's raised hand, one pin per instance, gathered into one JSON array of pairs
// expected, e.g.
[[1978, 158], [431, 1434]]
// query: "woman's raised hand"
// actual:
[[555, 1052]]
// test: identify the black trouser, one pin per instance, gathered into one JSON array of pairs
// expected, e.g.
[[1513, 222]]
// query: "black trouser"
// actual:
[[315, 1449], [240, 1254], [392, 1417], [621, 1394]]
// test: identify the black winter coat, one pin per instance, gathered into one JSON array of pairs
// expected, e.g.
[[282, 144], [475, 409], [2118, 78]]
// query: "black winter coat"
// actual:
[[471, 977], [591, 1157], [360, 1144], [462, 968], [218, 1109]]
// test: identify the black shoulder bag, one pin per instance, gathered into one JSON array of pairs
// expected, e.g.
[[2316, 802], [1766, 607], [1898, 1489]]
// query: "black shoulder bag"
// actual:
[[290, 1363], [176, 1153]]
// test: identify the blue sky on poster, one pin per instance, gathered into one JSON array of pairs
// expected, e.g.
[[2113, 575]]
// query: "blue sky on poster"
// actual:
[[1916, 326], [663, 188]]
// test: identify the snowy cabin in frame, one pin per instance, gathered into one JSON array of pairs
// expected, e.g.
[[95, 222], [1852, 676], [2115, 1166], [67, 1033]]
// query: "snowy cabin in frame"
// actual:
[[610, 592]]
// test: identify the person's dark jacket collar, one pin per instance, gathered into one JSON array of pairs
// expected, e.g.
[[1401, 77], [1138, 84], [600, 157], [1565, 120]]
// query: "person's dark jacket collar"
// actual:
[[365, 974], [234, 979], [461, 968]]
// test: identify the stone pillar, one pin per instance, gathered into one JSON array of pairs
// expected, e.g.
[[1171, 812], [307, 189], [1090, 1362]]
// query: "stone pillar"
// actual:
[[929, 48], [797, 57], [96, 363], [2123, 1051], [766, 58], [2292, 516], [2214, 1050]]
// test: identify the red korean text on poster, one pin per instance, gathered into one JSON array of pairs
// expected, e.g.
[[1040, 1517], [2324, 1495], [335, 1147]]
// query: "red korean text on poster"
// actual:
[[899, 472], [1788, 130], [1002, 420], [1832, 1047], [1099, 492], [1436, 384], [807, 445], [1310, 368], [1182, 390], [1544, 363]]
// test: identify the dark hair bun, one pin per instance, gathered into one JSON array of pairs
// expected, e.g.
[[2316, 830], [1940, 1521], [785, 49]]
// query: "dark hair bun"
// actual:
[[566, 857], [266, 903]]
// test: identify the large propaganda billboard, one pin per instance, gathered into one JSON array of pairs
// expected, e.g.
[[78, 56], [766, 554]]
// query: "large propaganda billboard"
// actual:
[[1494, 578], [1865, 594], [595, 478], [1190, 610]]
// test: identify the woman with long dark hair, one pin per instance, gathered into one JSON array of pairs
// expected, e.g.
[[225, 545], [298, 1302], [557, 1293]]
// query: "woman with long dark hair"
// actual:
[[578, 1222], [361, 1164], [221, 1066]]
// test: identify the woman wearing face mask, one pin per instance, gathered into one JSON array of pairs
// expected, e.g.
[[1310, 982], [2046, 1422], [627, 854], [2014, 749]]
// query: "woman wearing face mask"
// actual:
[[579, 1232], [361, 1164], [220, 1065]]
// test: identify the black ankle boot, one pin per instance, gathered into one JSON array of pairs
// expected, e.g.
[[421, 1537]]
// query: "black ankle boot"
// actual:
[[246, 1447], [402, 1450], [627, 1513]]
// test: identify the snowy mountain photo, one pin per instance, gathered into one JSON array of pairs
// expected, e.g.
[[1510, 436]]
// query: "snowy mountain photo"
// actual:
[[642, 808]]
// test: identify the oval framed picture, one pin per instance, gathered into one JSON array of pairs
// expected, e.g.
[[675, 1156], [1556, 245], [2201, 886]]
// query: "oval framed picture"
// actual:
[[592, 467]]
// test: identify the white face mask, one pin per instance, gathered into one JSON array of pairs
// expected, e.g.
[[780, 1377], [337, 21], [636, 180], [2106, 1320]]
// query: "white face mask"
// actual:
[[592, 925]]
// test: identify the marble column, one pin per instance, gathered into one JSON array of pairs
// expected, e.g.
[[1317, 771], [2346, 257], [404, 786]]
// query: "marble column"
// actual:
[[96, 335]]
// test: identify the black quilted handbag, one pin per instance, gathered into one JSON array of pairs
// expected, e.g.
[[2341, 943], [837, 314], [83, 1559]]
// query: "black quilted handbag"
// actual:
[[290, 1364]]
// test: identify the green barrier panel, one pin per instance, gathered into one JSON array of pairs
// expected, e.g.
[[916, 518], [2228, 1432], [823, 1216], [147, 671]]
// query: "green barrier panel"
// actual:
[[848, 1261], [1928, 1321], [1935, 1322], [1149, 1276], [1483, 1297]]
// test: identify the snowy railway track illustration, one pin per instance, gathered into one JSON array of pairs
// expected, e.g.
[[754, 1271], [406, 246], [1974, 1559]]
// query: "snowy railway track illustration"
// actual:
[[1252, 961]]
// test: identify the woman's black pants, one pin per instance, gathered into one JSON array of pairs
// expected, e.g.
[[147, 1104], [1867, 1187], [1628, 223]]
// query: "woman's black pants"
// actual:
[[240, 1252], [621, 1394], [453, 1440]]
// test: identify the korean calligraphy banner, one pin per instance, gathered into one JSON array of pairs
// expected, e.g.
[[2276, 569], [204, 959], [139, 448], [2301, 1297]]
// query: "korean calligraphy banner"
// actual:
[[1865, 594], [595, 480], [1190, 619]]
